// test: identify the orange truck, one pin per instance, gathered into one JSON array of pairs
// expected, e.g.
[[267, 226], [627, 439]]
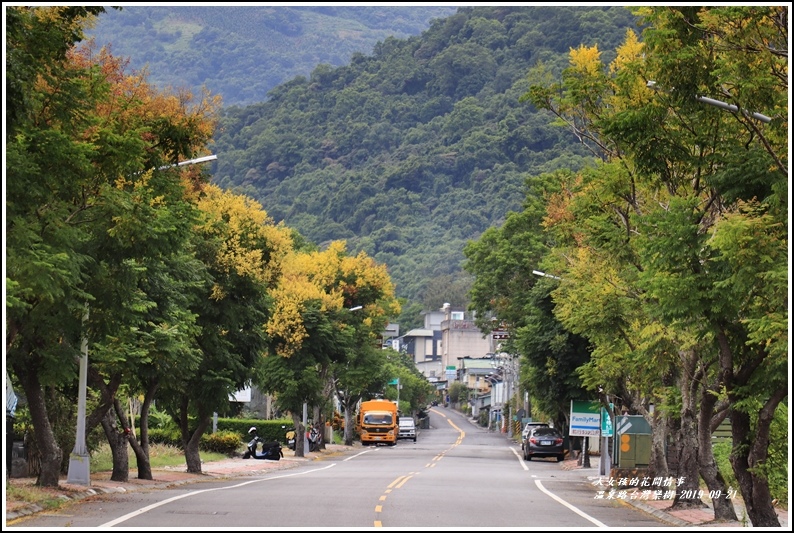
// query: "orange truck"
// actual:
[[377, 422]]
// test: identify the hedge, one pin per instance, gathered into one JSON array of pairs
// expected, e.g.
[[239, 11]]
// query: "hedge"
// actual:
[[231, 435]]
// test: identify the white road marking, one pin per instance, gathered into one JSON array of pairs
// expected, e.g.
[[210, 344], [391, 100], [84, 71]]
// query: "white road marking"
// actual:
[[195, 492]]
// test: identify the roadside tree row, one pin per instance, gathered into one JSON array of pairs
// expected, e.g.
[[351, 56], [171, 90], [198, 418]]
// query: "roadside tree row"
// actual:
[[183, 293], [670, 250]]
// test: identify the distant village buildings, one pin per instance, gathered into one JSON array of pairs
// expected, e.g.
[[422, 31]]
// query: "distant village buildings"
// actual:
[[449, 348]]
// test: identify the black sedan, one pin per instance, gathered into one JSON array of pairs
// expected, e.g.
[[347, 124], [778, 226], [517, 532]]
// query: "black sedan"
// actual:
[[544, 442]]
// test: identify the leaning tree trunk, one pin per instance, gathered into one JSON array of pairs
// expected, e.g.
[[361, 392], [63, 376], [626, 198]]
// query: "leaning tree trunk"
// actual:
[[750, 449], [192, 450], [142, 459], [118, 448], [754, 488], [50, 454], [718, 488]]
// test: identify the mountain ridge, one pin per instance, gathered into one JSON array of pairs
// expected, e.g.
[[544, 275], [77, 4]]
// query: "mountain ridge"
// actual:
[[416, 148]]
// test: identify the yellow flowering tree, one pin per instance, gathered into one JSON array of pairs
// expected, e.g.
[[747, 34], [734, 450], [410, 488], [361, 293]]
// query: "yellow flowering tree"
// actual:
[[326, 303], [243, 251]]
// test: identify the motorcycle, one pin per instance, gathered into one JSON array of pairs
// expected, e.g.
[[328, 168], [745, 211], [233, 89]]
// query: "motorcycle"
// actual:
[[290, 437], [315, 438], [270, 450]]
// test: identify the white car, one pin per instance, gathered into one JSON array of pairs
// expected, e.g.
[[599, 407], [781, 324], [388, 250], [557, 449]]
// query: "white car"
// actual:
[[407, 428], [529, 427]]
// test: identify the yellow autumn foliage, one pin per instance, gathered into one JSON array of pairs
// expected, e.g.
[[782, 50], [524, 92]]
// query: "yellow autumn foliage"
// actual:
[[329, 277], [629, 52], [251, 244], [586, 59]]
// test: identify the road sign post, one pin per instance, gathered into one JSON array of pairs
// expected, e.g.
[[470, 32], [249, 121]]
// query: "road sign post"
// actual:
[[605, 464]]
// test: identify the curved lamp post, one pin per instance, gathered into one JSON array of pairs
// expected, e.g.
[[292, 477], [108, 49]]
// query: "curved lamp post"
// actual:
[[722, 105], [539, 273], [79, 460]]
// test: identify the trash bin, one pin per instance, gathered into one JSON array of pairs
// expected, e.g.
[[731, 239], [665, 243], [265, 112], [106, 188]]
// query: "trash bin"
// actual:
[[424, 423]]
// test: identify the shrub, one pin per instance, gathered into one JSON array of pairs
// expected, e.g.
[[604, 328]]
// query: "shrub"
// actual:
[[225, 442], [169, 437]]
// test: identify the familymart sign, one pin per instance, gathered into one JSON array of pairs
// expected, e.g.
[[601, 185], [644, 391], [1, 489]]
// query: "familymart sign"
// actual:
[[585, 419]]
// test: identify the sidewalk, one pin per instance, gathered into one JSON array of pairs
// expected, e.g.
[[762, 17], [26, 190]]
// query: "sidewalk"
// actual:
[[168, 477], [660, 508]]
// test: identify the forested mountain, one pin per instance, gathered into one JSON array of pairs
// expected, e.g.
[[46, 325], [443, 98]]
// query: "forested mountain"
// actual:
[[412, 150], [241, 52]]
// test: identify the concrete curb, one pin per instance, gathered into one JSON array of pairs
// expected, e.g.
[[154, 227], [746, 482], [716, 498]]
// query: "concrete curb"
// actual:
[[226, 469], [661, 515], [33, 508]]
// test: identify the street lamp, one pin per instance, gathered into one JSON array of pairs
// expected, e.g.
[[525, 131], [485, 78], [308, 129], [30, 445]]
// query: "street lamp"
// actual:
[[722, 105], [79, 472], [79, 460], [543, 274], [191, 162]]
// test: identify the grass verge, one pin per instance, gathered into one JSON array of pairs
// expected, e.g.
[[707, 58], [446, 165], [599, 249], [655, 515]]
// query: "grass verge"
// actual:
[[49, 498]]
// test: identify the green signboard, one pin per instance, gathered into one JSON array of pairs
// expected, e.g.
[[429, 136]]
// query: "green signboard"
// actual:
[[606, 422]]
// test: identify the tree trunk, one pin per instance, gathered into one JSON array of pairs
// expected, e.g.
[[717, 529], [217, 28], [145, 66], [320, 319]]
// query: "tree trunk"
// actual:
[[192, 451], [107, 393], [657, 465], [349, 425], [142, 450], [192, 456], [751, 448], [50, 454], [723, 506], [118, 448], [142, 459], [687, 495], [319, 424], [754, 488], [687, 489], [300, 435]]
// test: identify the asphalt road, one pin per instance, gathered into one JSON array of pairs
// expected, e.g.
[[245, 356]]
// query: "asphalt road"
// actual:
[[457, 475]]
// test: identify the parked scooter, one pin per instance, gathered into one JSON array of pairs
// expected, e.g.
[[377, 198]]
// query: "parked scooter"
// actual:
[[290, 437], [315, 438], [270, 450]]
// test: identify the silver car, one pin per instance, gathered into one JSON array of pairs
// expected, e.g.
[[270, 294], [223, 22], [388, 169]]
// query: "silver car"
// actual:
[[407, 428]]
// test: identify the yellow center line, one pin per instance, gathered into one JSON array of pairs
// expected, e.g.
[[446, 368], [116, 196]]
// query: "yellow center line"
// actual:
[[393, 483], [402, 480]]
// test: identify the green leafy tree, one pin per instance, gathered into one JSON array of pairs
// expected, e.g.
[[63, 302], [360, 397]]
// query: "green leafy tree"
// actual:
[[668, 188], [506, 294], [72, 228], [362, 376], [243, 250]]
